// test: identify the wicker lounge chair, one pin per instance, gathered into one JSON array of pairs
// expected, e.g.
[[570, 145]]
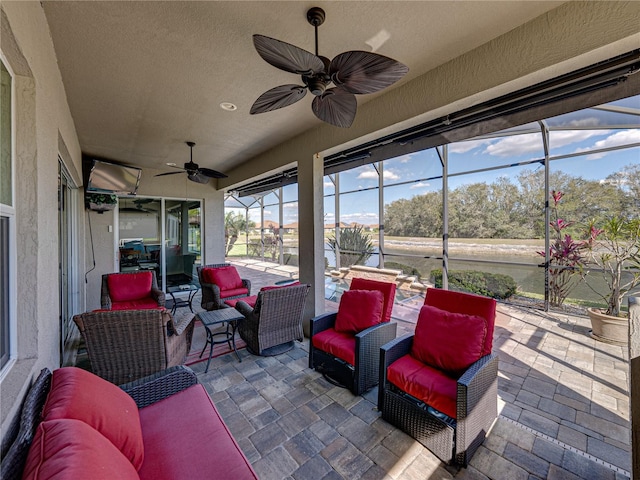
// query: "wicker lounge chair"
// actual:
[[441, 385], [131, 291], [125, 345], [214, 295], [271, 327], [351, 358]]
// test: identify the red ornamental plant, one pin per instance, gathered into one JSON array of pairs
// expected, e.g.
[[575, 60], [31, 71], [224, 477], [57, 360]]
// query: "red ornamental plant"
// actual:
[[566, 257]]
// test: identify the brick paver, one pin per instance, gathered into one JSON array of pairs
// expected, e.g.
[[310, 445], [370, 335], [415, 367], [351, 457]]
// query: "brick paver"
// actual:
[[563, 410]]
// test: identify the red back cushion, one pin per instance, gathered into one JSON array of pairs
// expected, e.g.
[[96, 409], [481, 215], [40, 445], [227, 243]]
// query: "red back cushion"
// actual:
[[124, 287], [448, 341], [81, 395], [388, 289], [71, 449], [467, 303], [226, 278], [359, 310], [274, 287]]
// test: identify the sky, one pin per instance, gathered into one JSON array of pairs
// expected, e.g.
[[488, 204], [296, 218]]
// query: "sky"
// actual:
[[574, 133]]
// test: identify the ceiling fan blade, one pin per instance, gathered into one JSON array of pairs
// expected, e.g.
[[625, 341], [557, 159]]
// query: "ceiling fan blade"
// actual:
[[168, 173], [278, 97], [336, 107], [287, 57], [198, 177], [207, 172], [365, 72]]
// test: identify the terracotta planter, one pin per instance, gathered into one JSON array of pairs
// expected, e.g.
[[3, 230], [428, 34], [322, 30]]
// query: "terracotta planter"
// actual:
[[608, 329]]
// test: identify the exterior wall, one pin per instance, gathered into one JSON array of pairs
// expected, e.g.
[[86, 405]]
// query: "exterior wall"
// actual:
[[42, 119]]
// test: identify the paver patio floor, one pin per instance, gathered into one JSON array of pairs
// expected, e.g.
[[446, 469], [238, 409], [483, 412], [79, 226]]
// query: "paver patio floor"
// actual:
[[563, 408]]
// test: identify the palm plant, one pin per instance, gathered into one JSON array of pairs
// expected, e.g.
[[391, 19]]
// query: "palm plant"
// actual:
[[234, 224], [615, 250], [354, 248]]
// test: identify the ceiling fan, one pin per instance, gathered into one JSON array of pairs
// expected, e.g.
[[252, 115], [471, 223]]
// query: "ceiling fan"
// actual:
[[195, 173], [352, 72]]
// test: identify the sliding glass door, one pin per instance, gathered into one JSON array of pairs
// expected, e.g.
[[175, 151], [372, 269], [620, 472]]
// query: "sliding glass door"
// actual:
[[162, 235]]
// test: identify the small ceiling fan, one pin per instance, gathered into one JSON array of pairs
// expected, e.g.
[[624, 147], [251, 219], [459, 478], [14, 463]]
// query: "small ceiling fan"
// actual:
[[353, 72], [195, 173]]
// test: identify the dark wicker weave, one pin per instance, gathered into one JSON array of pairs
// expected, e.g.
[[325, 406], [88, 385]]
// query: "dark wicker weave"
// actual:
[[211, 299], [362, 376], [14, 460], [148, 390], [105, 299], [124, 345], [477, 406], [276, 320]]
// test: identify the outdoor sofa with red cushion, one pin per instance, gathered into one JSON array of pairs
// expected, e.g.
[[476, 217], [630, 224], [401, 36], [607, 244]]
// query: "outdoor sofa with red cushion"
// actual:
[[131, 291], [76, 425], [345, 346], [221, 282], [440, 385]]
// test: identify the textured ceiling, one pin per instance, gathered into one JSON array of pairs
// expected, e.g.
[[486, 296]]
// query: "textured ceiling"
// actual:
[[143, 77]]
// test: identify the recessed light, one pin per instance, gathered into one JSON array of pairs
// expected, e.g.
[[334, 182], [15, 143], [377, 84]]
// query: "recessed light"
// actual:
[[228, 106], [171, 164]]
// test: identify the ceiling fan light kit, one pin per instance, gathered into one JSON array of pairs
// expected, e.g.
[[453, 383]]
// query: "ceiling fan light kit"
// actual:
[[195, 173], [353, 72]]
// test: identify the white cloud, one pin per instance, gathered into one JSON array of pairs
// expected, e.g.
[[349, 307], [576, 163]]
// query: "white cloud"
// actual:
[[350, 217], [405, 158], [620, 138], [420, 185], [560, 139], [516, 145], [463, 147], [328, 184], [582, 123], [368, 174], [290, 205]]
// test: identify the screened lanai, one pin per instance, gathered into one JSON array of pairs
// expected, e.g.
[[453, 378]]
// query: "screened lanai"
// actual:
[[485, 204]]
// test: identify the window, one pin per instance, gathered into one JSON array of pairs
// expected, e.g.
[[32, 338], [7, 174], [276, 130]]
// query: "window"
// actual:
[[7, 224]]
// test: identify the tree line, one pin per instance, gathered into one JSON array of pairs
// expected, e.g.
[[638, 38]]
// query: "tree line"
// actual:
[[508, 209]]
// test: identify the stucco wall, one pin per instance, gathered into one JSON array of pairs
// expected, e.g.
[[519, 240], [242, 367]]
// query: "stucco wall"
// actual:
[[42, 119]]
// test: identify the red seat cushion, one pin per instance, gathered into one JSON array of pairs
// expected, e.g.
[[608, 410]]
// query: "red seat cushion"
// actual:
[[388, 290], [124, 287], [448, 341], [185, 438], [460, 302], [425, 383], [250, 300], [81, 395], [70, 449], [227, 278], [338, 344], [140, 304], [235, 292], [359, 310]]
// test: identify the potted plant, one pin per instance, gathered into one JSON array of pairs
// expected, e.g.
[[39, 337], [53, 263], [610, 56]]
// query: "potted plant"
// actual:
[[101, 202], [614, 250]]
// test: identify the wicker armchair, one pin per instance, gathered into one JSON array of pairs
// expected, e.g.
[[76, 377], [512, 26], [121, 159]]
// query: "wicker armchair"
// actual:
[[271, 327], [449, 401], [125, 345], [352, 360], [213, 297], [131, 291]]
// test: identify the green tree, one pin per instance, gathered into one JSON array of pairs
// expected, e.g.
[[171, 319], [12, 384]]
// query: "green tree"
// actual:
[[234, 224]]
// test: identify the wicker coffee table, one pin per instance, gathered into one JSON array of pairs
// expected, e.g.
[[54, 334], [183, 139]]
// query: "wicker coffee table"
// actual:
[[230, 316]]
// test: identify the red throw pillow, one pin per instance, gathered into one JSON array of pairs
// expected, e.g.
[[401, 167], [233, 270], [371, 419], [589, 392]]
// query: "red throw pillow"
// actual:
[[70, 449], [359, 310], [81, 395], [226, 278], [448, 341], [124, 287]]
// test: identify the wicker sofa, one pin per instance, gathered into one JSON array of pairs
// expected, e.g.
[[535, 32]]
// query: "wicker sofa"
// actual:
[[76, 425]]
